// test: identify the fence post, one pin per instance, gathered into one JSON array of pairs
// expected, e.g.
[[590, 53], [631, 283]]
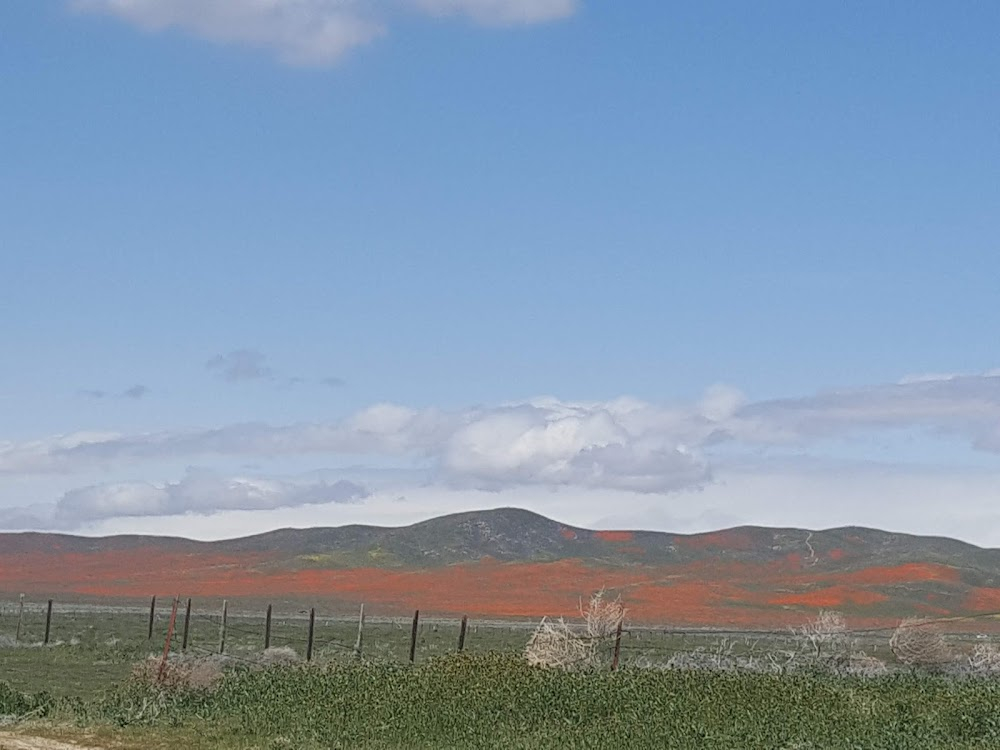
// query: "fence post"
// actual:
[[48, 622], [618, 647], [170, 635], [461, 633], [187, 625], [20, 617], [361, 627], [312, 631], [222, 627], [413, 635], [267, 628], [152, 616]]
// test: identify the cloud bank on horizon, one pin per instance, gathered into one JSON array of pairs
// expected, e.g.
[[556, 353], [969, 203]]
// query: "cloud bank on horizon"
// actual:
[[312, 32], [546, 444]]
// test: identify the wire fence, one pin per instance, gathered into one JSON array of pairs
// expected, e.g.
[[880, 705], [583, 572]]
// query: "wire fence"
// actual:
[[239, 632]]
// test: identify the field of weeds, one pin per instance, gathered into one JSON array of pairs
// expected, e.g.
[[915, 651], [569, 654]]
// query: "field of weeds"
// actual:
[[92, 648], [553, 685], [500, 701]]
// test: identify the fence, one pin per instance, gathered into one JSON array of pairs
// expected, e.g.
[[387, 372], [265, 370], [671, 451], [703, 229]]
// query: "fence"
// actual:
[[212, 628], [203, 627]]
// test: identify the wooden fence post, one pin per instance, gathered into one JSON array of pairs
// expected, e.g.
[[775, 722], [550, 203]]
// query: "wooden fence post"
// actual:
[[461, 633], [170, 635], [187, 625], [361, 627], [20, 617], [312, 632], [267, 628], [152, 616], [618, 647], [48, 622], [413, 635], [222, 627]]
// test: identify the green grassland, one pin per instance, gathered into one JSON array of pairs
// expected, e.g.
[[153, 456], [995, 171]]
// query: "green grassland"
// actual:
[[497, 701], [92, 648], [79, 688]]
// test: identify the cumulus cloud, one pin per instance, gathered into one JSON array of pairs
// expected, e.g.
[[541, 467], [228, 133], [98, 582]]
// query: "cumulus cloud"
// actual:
[[199, 492], [553, 443], [546, 442], [240, 365], [299, 32], [621, 444], [309, 32]]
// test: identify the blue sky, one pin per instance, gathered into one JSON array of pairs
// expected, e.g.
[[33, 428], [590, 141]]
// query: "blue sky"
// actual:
[[315, 261]]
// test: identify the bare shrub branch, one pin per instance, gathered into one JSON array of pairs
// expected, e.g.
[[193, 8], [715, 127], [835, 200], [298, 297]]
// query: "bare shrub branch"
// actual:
[[984, 659], [827, 634], [917, 642], [555, 644], [603, 616]]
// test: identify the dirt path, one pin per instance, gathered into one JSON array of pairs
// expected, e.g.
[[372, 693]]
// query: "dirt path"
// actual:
[[21, 742]]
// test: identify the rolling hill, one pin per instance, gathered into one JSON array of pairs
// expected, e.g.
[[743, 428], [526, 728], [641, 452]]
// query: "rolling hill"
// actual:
[[513, 563]]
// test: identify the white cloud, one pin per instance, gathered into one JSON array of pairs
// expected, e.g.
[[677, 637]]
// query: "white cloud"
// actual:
[[905, 499], [967, 406], [582, 445], [309, 32], [501, 12], [200, 492], [300, 32], [721, 402], [623, 445], [52, 455], [931, 377], [548, 442]]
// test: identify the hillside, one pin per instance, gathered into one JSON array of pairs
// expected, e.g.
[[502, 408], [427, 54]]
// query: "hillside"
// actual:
[[511, 562]]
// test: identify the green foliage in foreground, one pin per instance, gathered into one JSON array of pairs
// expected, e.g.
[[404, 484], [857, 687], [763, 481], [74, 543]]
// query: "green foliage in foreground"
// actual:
[[499, 702]]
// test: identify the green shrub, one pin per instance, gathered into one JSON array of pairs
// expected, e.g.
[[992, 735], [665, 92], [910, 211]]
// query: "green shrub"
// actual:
[[15, 704]]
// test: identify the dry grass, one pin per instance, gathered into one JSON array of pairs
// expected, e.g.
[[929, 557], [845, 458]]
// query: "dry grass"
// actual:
[[181, 671], [558, 645], [919, 643], [860, 664], [603, 616], [827, 634], [984, 659], [186, 671]]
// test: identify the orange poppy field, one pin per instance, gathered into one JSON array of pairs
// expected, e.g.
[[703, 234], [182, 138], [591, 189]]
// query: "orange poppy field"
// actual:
[[706, 592]]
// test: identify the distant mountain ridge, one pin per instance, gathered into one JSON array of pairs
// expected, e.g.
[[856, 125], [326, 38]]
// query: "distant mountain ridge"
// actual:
[[745, 572], [517, 535]]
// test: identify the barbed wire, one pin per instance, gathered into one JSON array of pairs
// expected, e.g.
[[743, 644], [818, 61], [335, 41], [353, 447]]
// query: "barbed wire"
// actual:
[[237, 624]]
